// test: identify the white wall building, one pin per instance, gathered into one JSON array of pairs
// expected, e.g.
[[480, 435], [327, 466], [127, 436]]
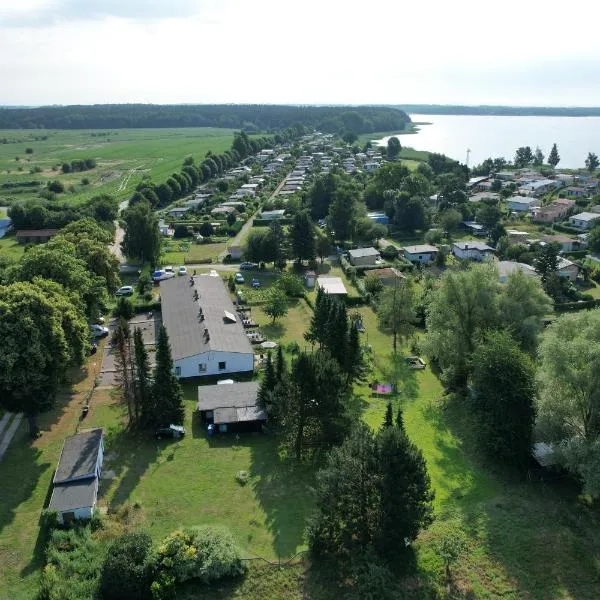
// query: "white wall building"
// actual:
[[472, 250], [584, 220], [522, 203], [206, 334]]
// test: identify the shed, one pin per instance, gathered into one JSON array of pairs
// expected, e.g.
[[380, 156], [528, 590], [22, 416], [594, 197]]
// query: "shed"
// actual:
[[363, 256], [332, 285], [35, 236]]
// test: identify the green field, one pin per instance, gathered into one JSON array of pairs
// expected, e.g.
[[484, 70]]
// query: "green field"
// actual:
[[123, 156], [526, 539]]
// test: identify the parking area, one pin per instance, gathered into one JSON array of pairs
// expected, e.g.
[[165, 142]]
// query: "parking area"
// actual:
[[149, 325]]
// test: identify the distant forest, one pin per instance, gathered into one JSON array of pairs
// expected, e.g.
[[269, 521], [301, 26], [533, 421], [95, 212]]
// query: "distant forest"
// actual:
[[502, 111], [264, 118]]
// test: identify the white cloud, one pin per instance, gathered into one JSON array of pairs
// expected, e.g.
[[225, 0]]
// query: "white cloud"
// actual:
[[317, 51]]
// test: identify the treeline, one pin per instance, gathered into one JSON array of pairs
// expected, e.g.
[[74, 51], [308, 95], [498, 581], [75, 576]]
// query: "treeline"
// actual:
[[45, 214], [76, 166], [192, 174], [361, 119], [502, 111]]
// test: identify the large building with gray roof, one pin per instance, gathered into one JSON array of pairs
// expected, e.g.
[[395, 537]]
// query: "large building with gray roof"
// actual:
[[206, 334]]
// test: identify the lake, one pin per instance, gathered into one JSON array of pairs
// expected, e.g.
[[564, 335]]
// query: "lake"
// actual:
[[492, 136]]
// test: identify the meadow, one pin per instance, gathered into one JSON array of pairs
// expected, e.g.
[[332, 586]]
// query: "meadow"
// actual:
[[123, 157]]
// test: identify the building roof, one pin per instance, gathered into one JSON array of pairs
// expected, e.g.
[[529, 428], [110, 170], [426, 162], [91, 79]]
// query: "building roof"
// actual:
[[233, 403], [181, 317], [506, 267], [37, 232], [544, 454], [420, 249], [79, 456], [565, 263], [361, 252], [586, 216], [473, 245], [73, 495], [522, 200], [332, 285]]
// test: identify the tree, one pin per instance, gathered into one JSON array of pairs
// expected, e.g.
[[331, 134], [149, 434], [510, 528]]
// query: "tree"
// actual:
[[127, 570], [449, 220], [121, 340], [373, 496], [373, 285], [142, 239], [524, 157], [267, 385], [388, 420], [353, 360], [553, 157], [302, 236], [546, 264], [343, 211], [322, 245], [314, 408], [43, 332], [206, 229], [349, 137], [396, 310], [166, 390], [276, 303], [463, 306], [409, 212], [538, 157], [164, 193], [489, 216], [593, 240], [56, 186], [124, 309], [320, 195], [231, 219], [393, 147], [503, 384], [592, 162], [450, 548], [142, 382], [568, 403]]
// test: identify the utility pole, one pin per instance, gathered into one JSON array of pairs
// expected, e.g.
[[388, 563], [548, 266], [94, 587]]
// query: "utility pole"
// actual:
[[468, 155]]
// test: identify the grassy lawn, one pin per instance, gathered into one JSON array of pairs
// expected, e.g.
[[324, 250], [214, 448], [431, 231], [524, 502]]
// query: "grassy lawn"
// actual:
[[286, 330], [10, 247], [123, 156]]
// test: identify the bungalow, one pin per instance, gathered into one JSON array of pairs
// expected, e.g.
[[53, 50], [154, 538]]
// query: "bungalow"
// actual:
[[472, 250], [178, 212], [207, 336], [539, 187], [521, 203], [421, 253], [506, 267], [483, 196], [584, 220], [272, 215], [474, 182], [567, 269], [371, 166], [517, 237], [476, 229], [231, 407], [567, 244], [574, 192], [35, 236], [363, 256], [389, 277], [75, 483], [237, 204], [332, 285], [554, 211], [506, 175], [378, 217], [241, 192], [222, 210]]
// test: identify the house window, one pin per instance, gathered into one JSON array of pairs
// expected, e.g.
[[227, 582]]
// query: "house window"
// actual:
[[202, 367], [178, 371], [222, 366]]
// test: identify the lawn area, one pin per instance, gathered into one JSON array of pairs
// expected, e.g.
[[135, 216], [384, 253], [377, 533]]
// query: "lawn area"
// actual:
[[123, 156], [289, 329], [10, 247]]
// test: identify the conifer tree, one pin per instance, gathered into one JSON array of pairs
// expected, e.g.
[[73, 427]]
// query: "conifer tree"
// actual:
[[280, 365], [400, 420], [141, 378], [388, 420], [124, 367], [318, 322], [336, 331], [354, 360], [267, 385], [166, 391], [553, 157]]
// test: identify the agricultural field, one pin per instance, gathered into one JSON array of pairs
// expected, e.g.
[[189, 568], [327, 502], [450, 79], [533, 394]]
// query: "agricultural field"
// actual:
[[122, 156]]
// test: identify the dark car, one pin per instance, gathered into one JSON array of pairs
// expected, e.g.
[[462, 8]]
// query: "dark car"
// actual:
[[248, 265], [171, 432]]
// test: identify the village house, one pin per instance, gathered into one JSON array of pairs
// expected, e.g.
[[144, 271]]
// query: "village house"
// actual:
[[223, 210], [472, 250], [35, 236], [231, 407], [178, 212], [574, 192], [517, 237], [555, 211], [506, 267], [521, 203], [389, 277], [421, 253], [483, 196], [76, 480], [538, 187], [567, 269], [207, 336], [567, 243], [272, 215], [584, 220], [363, 256]]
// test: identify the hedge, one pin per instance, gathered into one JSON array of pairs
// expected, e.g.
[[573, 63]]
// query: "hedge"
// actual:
[[147, 307], [574, 306], [565, 229], [267, 222]]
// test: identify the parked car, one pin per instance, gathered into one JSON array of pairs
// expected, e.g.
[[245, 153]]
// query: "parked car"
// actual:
[[162, 274], [125, 290], [98, 330], [248, 265], [171, 432], [169, 269], [239, 278], [255, 283], [182, 271]]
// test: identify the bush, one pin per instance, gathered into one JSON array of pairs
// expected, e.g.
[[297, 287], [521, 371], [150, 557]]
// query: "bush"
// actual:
[[56, 187], [389, 252], [242, 477], [181, 231], [124, 309], [291, 284], [85, 181], [203, 553], [126, 571]]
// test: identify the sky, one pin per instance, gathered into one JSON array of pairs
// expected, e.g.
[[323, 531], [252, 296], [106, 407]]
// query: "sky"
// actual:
[[518, 52]]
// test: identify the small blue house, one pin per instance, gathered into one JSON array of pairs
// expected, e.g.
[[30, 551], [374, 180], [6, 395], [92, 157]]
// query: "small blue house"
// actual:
[[379, 217]]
